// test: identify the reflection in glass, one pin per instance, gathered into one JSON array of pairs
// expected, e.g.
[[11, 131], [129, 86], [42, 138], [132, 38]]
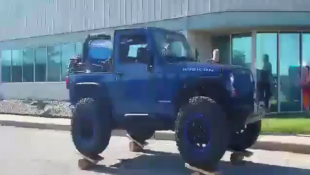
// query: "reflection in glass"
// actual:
[[17, 69], [79, 48], [6, 61], [68, 51], [223, 44], [305, 50], [40, 64], [290, 91], [242, 50], [53, 58], [266, 43], [28, 65]]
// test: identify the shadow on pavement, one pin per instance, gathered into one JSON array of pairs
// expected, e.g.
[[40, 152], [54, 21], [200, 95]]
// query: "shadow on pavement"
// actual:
[[154, 162], [287, 147]]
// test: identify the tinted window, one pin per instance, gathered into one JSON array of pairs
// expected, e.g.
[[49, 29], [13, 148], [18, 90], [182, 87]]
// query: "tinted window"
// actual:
[[68, 51], [6, 60], [131, 48], [17, 62], [289, 55], [40, 64], [266, 44], [54, 67], [242, 50], [28, 65]]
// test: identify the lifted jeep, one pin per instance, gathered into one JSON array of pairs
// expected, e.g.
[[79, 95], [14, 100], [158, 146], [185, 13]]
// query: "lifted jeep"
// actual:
[[147, 79]]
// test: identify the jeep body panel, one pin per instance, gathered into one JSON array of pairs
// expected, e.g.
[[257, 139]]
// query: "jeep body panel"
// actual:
[[154, 88]]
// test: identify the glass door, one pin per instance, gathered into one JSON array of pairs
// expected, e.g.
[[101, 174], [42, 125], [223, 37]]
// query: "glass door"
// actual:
[[289, 72]]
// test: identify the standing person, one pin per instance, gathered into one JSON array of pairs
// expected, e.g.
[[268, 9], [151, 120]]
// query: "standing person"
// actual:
[[305, 85], [216, 56], [265, 82]]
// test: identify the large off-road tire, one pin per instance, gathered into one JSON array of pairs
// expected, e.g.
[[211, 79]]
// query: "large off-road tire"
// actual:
[[90, 128], [141, 136], [202, 120], [242, 140]]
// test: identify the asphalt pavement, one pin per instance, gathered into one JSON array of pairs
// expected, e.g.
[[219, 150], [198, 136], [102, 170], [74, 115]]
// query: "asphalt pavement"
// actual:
[[47, 152]]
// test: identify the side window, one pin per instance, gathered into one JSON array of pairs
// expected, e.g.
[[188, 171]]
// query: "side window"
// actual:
[[100, 50], [132, 48], [99, 55]]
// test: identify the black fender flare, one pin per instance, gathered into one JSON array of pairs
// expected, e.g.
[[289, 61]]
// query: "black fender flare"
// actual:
[[201, 87], [90, 89]]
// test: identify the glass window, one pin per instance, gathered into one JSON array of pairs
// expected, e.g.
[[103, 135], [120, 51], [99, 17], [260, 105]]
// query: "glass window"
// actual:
[[133, 50], [290, 91], [173, 46], [100, 50], [266, 44], [28, 65], [6, 60], [78, 48], [242, 50], [222, 43], [129, 46], [306, 49], [17, 66], [40, 64], [67, 52], [53, 63]]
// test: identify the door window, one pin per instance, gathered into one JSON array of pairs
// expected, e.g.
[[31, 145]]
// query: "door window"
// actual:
[[132, 49]]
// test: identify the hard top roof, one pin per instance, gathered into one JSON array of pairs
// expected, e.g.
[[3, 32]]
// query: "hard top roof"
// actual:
[[136, 28]]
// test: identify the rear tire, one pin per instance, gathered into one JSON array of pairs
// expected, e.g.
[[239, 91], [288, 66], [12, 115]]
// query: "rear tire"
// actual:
[[243, 140], [90, 131], [204, 111]]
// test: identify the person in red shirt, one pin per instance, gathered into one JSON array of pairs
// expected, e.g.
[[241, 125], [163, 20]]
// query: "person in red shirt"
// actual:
[[305, 84]]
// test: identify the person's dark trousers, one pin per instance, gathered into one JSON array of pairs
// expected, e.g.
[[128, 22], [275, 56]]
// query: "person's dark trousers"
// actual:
[[264, 92]]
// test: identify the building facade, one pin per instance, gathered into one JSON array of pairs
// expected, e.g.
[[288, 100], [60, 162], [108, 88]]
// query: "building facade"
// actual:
[[38, 37]]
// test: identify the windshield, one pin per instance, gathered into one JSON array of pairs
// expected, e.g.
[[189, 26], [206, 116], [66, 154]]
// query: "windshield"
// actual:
[[173, 46]]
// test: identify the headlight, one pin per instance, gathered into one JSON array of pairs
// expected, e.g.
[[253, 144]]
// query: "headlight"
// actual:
[[232, 78]]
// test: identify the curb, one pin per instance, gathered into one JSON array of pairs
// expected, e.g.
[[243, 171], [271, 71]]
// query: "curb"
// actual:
[[48, 126], [36, 115], [164, 135], [259, 145]]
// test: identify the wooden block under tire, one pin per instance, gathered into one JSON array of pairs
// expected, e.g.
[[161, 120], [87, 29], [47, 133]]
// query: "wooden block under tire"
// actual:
[[87, 163]]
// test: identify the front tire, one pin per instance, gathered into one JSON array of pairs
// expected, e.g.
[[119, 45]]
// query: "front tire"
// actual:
[[90, 131], [202, 133], [246, 138]]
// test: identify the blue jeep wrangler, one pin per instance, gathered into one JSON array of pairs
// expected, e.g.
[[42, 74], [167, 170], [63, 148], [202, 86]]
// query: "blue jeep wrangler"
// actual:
[[144, 80]]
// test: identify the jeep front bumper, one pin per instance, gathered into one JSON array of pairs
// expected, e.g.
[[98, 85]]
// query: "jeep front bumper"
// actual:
[[258, 114], [242, 114]]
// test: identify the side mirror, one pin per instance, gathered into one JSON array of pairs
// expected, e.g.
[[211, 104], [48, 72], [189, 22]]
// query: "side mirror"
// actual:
[[196, 54]]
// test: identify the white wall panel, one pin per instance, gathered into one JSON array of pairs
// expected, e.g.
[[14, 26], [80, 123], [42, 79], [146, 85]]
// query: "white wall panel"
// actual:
[[22, 19], [38, 91]]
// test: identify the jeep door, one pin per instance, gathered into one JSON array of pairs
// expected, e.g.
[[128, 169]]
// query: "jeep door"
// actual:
[[133, 71]]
